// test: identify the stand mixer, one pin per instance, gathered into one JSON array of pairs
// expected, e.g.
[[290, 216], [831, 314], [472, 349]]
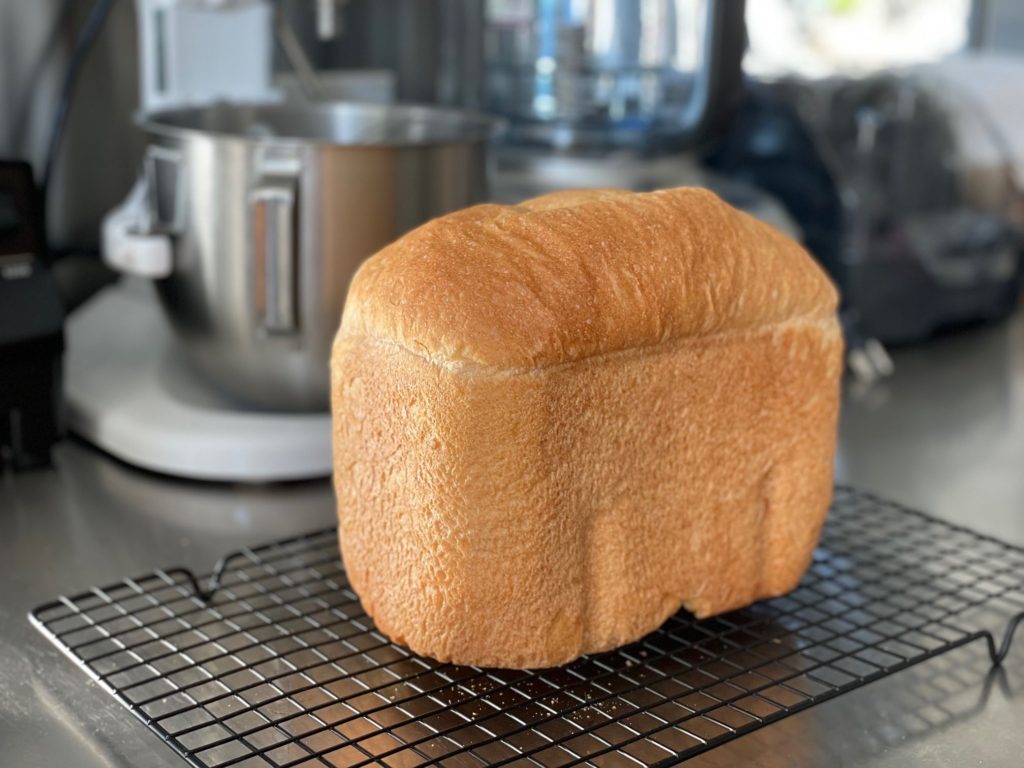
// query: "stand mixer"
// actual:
[[127, 389], [210, 360]]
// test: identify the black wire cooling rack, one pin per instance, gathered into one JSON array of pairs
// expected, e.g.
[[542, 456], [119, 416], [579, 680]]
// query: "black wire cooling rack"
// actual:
[[274, 663]]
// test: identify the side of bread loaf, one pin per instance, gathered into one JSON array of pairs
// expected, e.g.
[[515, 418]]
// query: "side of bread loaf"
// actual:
[[557, 423]]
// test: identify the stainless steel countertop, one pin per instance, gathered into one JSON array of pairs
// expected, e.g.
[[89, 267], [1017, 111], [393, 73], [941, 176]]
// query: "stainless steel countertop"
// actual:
[[946, 434]]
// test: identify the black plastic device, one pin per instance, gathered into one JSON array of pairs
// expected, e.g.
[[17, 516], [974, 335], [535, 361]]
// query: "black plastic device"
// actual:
[[31, 327]]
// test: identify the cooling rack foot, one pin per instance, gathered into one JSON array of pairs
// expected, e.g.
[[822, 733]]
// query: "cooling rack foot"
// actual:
[[997, 655], [207, 593]]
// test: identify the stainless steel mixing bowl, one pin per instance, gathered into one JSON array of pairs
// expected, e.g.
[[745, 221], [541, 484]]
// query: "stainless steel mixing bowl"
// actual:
[[269, 211]]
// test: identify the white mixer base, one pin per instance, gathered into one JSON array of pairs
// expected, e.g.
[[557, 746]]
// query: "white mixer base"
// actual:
[[128, 393]]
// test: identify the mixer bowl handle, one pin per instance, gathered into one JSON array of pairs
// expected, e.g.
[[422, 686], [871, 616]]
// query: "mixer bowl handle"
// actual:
[[136, 236], [128, 245], [274, 254]]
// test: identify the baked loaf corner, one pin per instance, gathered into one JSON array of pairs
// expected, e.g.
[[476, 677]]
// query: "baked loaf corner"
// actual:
[[557, 423]]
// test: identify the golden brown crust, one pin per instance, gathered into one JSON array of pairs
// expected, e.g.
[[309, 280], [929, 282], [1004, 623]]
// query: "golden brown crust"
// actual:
[[574, 274], [503, 504]]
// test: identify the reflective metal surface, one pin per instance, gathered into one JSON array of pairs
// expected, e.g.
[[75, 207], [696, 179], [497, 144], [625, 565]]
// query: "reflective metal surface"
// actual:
[[272, 209], [86, 521], [610, 72], [347, 125], [945, 434]]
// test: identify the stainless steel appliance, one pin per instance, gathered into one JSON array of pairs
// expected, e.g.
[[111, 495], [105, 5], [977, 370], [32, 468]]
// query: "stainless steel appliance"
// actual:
[[254, 206], [645, 74], [255, 217]]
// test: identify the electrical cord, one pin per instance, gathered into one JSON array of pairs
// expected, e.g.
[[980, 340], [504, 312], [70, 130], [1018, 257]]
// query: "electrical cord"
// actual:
[[86, 38]]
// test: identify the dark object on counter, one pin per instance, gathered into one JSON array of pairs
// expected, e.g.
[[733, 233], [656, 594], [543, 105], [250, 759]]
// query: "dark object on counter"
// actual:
[[870, 606], [878, 174], [31, 327]]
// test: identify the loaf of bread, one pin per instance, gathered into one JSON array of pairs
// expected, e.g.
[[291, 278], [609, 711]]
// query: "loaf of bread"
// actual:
[[557, 423]]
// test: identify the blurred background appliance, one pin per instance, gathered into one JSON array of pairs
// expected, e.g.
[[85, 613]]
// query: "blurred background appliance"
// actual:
[[31, 332], [611, 92], [251, 218], [906, 184], [650, 75]]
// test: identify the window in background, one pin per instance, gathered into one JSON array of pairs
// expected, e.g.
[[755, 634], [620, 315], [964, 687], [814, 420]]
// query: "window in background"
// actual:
[[817, 38]]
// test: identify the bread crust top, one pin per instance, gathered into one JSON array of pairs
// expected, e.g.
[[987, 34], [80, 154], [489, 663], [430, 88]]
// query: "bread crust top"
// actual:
[[575, 274]]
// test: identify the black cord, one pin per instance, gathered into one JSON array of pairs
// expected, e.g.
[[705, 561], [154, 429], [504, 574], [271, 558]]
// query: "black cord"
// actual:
[[86, 37]]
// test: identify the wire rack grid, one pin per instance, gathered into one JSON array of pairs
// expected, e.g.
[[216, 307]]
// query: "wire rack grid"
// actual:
[[276, 664]]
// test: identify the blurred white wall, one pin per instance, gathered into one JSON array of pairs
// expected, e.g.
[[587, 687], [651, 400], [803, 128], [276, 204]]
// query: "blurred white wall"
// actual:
[[818, 38]]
